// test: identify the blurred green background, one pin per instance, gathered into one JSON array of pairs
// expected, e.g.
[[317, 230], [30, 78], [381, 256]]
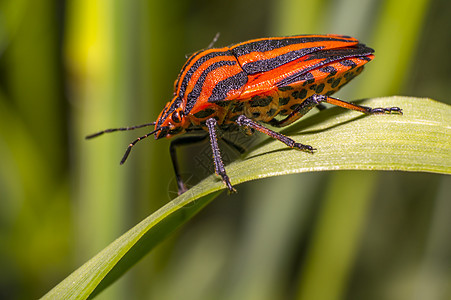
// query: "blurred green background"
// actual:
[[71, 68]]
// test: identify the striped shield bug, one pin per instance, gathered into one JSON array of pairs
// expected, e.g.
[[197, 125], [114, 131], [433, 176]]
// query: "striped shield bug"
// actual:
[[272, 81]]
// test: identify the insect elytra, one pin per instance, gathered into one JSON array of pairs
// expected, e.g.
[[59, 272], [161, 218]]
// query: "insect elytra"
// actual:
[[273, 81]]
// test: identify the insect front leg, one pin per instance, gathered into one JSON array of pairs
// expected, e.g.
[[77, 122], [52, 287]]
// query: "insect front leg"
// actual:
[[181, 141], [245, 121], [219, 165]]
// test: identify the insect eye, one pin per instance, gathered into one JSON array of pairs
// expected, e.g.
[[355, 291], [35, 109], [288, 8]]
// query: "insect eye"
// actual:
[[175, 117]]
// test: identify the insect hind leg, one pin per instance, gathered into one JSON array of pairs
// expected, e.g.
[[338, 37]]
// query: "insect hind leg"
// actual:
[[364, 109], [318, 100]]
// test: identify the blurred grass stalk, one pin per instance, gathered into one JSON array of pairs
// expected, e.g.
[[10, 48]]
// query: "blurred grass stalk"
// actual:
[[93, 50], [34, 226], [116, 52]]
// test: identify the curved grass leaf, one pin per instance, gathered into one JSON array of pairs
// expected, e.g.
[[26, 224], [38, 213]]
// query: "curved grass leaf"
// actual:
[[419, 140]]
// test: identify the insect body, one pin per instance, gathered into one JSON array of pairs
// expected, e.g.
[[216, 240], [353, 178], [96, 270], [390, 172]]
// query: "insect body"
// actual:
[[270, 80]]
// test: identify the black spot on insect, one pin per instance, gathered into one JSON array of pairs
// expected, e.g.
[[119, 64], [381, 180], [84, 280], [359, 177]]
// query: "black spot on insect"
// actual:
[[271, 112], [348, 63], [222, 103], [359, 69], [336, 83], [285, 88], [260, 101], [283, 112], [313, 87], [320, 88], [284, 101], [239, 106], [348, 76], [302, 93], [256, 114], [204, 113], [330, 80], [329, 69], [299, 94], [365, 58]]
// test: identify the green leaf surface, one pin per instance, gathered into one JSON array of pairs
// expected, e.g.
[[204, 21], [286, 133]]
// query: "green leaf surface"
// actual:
[[419, 140]]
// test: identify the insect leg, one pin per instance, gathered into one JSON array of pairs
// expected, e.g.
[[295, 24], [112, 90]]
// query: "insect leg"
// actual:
[[219, 165], [363, 109], [181, 141], [245, 121], [316, 100]]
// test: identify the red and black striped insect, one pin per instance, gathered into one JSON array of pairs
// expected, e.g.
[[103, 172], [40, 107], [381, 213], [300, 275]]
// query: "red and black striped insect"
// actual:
[[270, 80]]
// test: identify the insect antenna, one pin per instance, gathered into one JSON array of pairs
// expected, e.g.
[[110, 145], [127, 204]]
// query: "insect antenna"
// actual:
[[129, 148], [118, 129], [215, 39], [212, 43]]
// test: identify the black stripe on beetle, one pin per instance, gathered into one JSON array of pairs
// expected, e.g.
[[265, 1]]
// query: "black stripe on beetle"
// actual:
[[329, 69], [201, 60], [197, 89], [328, 57], [265, 45], [269, 64], [359, 50], [221, 89], [348, 63]]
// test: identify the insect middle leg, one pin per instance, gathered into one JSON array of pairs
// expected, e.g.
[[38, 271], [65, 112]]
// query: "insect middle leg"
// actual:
[[245, 121]]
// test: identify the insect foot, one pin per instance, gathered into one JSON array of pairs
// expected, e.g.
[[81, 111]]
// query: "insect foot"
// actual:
[[384, 110]]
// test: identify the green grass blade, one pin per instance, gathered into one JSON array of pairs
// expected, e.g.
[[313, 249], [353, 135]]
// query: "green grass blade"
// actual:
[[419, 140], [119, 256]]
